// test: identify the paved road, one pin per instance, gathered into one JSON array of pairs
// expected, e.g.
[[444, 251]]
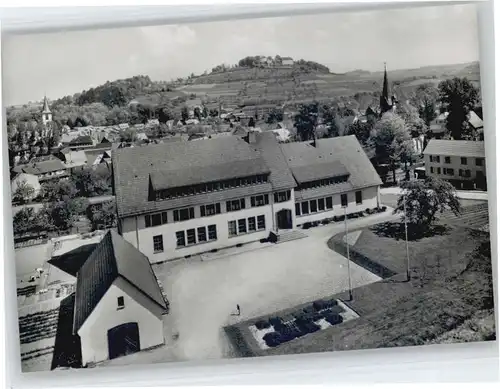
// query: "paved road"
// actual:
[[38, 206]]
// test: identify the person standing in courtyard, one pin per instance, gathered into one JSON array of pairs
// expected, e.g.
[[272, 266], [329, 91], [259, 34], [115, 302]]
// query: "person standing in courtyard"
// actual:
[[238, 309]]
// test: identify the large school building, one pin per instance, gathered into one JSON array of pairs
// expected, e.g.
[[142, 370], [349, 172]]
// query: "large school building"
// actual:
[[185, 198]]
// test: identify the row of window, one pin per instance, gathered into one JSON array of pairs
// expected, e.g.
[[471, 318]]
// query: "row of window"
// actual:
[[463, 160], [198, 235], [205, 234], [183, 214], [189, 237], [451, 172], [246, 225], [323, 204], [324, 182], [209, 187]]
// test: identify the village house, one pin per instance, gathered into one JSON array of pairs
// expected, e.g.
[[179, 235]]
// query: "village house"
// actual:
[[287, 61], [461, 162], [119, 305], [44, 169], [186, 198], [72, 159]]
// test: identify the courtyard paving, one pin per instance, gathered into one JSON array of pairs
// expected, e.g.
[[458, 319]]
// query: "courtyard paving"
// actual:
[[203, 294]]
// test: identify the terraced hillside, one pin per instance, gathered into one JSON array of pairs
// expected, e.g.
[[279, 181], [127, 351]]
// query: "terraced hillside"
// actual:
[[474, 216]]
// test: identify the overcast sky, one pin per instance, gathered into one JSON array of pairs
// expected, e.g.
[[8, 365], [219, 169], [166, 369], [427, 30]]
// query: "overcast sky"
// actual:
[[59, 64]]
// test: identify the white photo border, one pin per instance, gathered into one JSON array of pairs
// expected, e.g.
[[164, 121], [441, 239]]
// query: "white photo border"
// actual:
[[452, 363]]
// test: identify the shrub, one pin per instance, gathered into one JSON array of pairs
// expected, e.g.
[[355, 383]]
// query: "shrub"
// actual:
[[188, 256], [384, 208], [334, 319], [309, 310], [315, 224], [361, 214], [307, 225], [335, 219], [239, 245], [308, 328], [325, 222], [319, 305], [213, 250], [272, 238], [317, 316], [375, 210], [263, 240], [262, 324], [276, 321], [272, 339], [368, 211]]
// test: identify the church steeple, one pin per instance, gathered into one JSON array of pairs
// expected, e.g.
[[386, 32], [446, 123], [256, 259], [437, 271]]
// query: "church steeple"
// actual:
[[386, 100], [46, 112]]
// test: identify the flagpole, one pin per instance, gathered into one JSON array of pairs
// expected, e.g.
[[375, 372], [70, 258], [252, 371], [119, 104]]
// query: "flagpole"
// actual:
[[348, 257], [406, 238]]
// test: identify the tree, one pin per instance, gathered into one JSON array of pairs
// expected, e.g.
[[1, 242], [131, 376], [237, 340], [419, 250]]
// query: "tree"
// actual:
[[424, 199], [24, 192], [91, 183], [329, 115], [361, 131], [426, 99], [458, 96], [251, 122], [164, 114], [64, 213], [392, 142], [213, 113], [24, 220], [59, 190], [197, 113], [275, 116], [414, 123], [184, 114], [306, 121], [103, 215], [128, 135]]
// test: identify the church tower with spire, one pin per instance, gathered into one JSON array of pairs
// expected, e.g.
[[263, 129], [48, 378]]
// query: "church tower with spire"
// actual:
[[387, 102], [46, 112]]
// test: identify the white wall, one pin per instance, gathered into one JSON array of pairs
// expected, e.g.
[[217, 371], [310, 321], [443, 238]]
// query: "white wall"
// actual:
[[131, 231], [455, 164], [370, 200], [138, 308]]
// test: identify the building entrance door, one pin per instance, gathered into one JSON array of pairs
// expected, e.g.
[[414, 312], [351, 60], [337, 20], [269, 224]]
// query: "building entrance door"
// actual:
[[123, 340], [284, 219]]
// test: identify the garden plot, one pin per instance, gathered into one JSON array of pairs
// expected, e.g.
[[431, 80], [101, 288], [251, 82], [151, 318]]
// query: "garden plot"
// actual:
[[319, 316]]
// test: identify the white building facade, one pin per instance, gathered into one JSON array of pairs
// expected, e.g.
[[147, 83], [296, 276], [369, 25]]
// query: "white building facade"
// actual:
[[121, 307], [261, 187], [460, 162]]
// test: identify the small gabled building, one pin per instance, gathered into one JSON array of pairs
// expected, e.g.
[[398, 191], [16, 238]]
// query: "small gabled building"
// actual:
[[119, 305]]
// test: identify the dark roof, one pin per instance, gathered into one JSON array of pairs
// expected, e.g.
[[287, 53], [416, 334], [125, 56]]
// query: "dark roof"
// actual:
[[133, 166], [343, 150], [204, 174], [459, 148], [72, 261], [82, 140], [318, 171], [41, 167], [270, 150], [113, 258], [322, 191]]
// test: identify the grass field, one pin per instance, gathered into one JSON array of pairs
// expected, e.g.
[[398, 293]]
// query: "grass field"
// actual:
[[451, 283]]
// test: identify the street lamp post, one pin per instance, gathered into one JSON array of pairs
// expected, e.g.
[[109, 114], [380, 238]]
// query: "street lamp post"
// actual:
[[348, 259], [406, 238]]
